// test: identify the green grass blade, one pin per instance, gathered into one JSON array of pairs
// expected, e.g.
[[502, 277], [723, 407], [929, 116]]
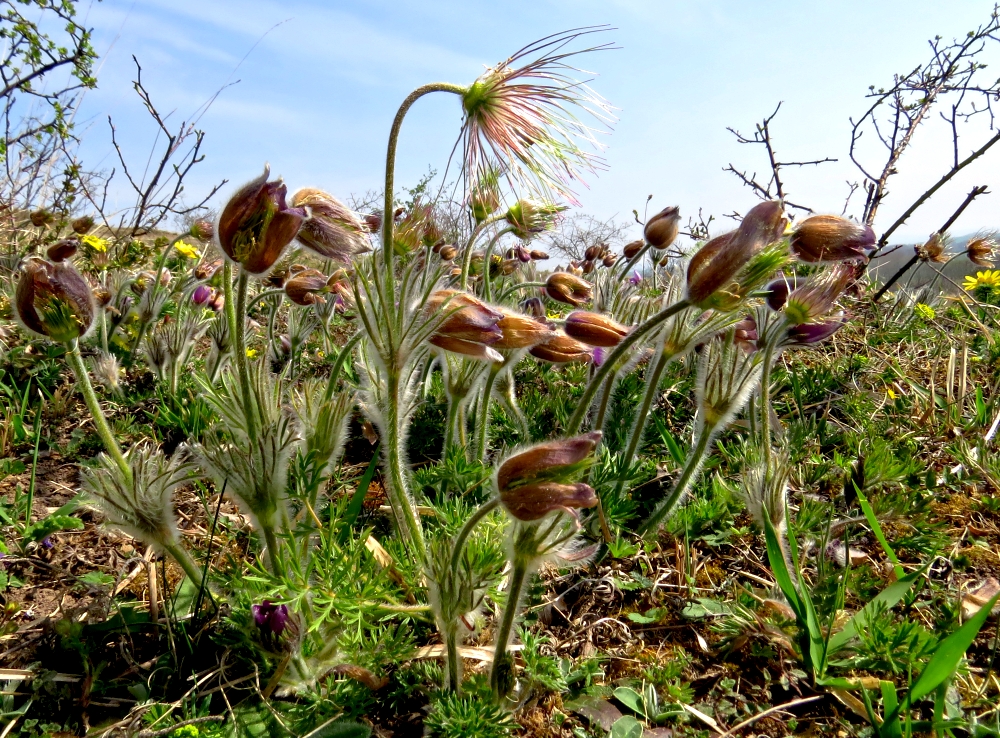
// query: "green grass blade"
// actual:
[[877, 530], [888, 597], [358, 498]]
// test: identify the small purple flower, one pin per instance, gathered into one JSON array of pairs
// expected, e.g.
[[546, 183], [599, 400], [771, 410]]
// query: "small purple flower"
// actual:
[[600, 355], [810, 333], [47, 542], [201, 295], [635, 279], [270, 618]]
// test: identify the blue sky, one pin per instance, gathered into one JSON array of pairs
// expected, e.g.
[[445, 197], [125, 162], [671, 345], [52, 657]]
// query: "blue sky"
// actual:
[[319, 82]]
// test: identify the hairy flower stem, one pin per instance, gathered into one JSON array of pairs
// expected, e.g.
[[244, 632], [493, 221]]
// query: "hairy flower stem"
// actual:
[[692, 466], [487, 282], [518, 578], [271, 541], [611, 362], [182, 557], [602, 407], [240, 344], [338, 365], [483, 426], [75, 360], [388, 209], [765, 404], [663, 358], [451, 423], [395, 462]]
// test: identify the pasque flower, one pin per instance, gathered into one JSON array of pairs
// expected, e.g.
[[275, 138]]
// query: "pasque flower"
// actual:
[[270, 618], [528, 218], [521, 331], [594, 329], [561, 349], [256, 224], [54, 300], [541, 479], [718, 262], [829, 238], [806, 334], [332, 230], [465, 317], [307, 286], [568, 288], [981, 250], [519, 118], [661, 230]]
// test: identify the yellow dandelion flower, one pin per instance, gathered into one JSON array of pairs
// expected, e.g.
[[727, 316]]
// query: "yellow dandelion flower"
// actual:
[[890, 394], [988, 278], [251, 353], [95, 242], [187, 249]]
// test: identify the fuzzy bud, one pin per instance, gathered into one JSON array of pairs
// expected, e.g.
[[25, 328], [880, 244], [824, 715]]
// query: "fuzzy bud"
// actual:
[[467, 318], [41, 218], [534, 307], [633, 248], [568, 289], [982, 250], [528, 218], [201, 295], [534, 501], [63, 250], [82, 226], [810, 333], [207, 269], [307, 287], [552, 460], [448, 252], [831, 238], [332, 230], [521, 331], [594, 329], [472, 349], [537, 255], [814, 299], [561, 349], [662, 228]]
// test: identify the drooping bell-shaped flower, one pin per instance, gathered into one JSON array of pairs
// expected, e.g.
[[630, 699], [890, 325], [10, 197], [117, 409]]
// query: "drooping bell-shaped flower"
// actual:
[[332, 230], [308, 286], [521, 331], [201, 295], [831, 238], [528, 218], [82, 225], [812, 300], [810, 333], [982, 250], [62, 250], [270, 618], [463, 317], [256, 224], [54, 300]]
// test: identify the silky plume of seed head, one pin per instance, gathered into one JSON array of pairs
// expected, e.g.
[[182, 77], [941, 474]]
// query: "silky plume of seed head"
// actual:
[[982, 249], [932, 249], [594, 329]]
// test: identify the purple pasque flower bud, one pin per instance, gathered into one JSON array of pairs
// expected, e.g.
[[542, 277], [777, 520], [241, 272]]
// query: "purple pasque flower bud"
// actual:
[[598, 356], [54, 300], [534, 307], [307, 287], [201, 295], [745, 334], [661, 230], [831, 238], [472, 349], [256, 224], [809, 302], [636, 279], [717, 263], [467, 317], [521, 331], [534, 501], [270, 618], [810, 333]]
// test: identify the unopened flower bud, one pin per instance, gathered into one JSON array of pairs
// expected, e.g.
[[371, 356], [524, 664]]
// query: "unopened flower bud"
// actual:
[[534, 307], [534, 501], [561, 349], [591, 253], [218, 302], [531, 217], [588, 267], [745, 334], [522, 254], [82, 225], [54, 300], [568, 289], [539, 255], [609, 260], [661, 230], [102, 296], [520, 331], [332, 230], [201, 295], [778, 290], [203, 230], [256, 225], [553, 460], [814, 299], [207, 269], [63, 250], [447, 253], [717, 263], [40, 218], [633, 248], [594, 329], [373, 222], [468, 318], [831, 238], [307, 287], [472, 349]]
